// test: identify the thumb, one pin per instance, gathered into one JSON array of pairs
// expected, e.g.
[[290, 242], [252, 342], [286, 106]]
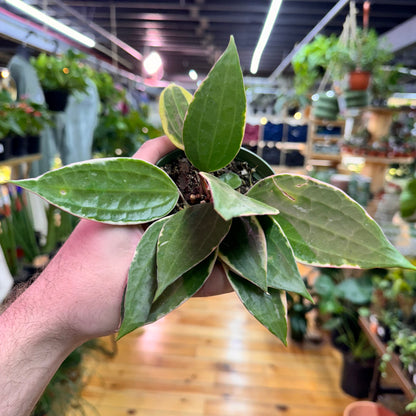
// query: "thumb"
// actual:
[[152, 150]]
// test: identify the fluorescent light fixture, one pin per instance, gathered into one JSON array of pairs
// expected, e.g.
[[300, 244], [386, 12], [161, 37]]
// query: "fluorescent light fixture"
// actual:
[[51, 22], [152, 63], [265, 34]]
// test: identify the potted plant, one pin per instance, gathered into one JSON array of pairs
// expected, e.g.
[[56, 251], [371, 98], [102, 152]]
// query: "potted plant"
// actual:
[[59, 76], [256, 236], [362, 54], [340, 300]]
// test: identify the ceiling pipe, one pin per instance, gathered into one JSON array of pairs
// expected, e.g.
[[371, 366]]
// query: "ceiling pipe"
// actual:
[[104, 33], [321, 24]]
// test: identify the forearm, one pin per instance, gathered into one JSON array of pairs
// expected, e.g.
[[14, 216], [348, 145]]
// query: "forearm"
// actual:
[[32, 347], [76, 298]]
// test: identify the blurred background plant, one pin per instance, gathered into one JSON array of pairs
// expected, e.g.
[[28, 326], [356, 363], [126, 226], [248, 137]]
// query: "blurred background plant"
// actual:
[[121, 129]]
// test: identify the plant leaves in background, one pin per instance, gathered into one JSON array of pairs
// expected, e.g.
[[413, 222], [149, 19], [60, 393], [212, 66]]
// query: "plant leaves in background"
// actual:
[[214, 125], [182, 289], [267, 308], [230, 203], [282, 271], [244, 250], [324, 226], [186, 239], [114, 190], [142, 281], [173, 104]]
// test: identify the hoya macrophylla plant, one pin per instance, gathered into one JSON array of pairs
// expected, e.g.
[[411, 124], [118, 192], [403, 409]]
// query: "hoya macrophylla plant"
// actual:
[[257, 237]]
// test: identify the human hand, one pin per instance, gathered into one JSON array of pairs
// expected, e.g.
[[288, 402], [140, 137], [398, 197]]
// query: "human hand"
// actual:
[[90, 271]]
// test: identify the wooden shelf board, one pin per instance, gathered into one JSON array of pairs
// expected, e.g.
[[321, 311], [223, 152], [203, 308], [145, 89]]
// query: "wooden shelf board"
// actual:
[[381, 160], [15, 161], [325, 156], [394, 363]]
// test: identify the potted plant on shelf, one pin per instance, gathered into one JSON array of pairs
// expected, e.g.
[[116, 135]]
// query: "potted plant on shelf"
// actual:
[[59, 76], [21, 123], [340, 300], [255, 224]]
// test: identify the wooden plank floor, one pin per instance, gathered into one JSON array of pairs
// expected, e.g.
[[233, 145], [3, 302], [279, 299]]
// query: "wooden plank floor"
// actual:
[[212, 358]]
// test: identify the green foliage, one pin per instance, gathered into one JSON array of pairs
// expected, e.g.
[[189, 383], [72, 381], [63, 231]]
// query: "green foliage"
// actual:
[[311, 61], [120, 130], [214, 124], [339, 300], [256, 237], [65, 72], [18, 238], [408, 200], [118, 134], [22, 118]]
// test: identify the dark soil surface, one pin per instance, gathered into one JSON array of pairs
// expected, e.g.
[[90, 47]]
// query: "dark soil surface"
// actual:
[[192, 185]]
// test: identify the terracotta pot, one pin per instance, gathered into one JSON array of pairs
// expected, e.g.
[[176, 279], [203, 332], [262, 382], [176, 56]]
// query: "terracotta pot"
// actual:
[[359, 80], [366, 408]]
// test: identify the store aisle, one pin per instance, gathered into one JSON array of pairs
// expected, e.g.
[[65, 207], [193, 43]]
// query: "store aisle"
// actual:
[[212, 358]]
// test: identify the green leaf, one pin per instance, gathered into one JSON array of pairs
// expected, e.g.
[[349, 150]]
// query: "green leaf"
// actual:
[[231, 179], [244, 250], [173, 104], [267, 308], [214, 125], [186, 239], [282, 271], [141, 284], [182, 289], [324, 226], [114, 190], [230, 203]]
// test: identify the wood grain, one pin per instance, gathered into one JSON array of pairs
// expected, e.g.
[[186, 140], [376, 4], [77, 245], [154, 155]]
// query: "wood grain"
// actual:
[[212, 358]]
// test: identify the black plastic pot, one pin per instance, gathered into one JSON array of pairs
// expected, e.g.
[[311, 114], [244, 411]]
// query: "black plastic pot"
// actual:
[[19, 146], [5, 148], [33, 145], [356, 376], [56, 99], [263, 169]]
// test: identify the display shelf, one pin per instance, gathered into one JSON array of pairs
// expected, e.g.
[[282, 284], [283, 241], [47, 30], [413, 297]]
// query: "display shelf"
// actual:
[[316, 138], [287, 142], [22, 163], [394, 364], [376, 168]]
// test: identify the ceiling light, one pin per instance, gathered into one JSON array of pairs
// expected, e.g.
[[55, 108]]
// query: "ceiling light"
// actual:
[[193, 74], [265, 33], [51, 22], [152, 63]]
